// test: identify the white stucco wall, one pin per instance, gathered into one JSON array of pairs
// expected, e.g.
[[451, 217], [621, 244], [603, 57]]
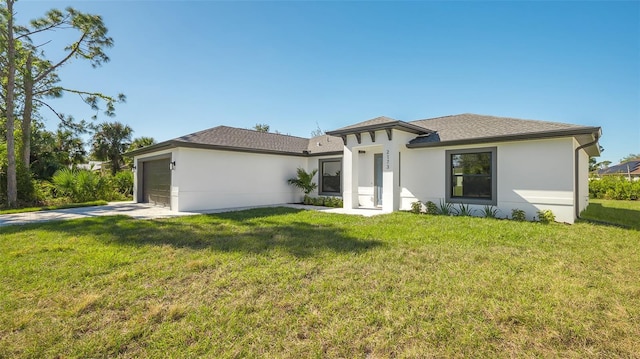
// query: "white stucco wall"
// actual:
[[206, 179], [225, 179], [583, 178], [531, 176]]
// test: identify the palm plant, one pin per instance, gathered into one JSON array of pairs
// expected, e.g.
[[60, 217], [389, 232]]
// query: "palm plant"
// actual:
[[109, 142], [304, 180]]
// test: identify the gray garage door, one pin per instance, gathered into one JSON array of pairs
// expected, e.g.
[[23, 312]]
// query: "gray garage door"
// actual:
[[156, 183]]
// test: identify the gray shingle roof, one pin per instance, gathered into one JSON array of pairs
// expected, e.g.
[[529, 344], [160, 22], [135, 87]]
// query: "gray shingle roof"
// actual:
[[324, 144], [379, 123], [472, 127], [240, 139], [464, 128], [373, 122], [224, 136]]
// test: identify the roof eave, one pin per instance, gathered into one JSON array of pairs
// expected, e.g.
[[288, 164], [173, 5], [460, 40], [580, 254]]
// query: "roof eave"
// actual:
[[395, 125], [174, 144], [595, 131]]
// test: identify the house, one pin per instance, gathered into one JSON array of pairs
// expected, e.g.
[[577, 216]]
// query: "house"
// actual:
[[380, 163], [628, 169]]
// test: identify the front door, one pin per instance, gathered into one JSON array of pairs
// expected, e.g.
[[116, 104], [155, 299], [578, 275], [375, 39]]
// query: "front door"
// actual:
[[377, 179]]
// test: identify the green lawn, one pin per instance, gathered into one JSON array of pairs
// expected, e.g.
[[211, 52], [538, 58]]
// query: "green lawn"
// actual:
[[624, 213], [287, 283]]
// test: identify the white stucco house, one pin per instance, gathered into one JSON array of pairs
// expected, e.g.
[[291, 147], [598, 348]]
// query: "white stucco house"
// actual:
[[381, 163]]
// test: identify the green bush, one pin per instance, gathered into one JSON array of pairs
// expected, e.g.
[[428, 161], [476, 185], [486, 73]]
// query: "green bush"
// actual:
[[123, 182], [546, 216], [432, 208], [518, 215], [614, 187], [85, 186], [416, 207], [324, 201]]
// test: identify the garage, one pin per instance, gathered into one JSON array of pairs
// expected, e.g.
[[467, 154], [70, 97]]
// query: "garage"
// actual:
[[156, 182]]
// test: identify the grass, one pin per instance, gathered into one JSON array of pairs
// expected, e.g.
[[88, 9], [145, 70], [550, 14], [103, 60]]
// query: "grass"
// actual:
[[622, 213], [50, 208], [287, 283]]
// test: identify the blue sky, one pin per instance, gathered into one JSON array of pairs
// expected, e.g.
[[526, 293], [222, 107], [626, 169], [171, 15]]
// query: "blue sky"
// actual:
[[191, 65]]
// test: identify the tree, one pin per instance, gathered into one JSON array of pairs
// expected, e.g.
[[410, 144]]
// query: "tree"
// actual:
[[8, 41], [304, 180], [109, 142], [630, 157], [28, 78], [317, 132], [39, 78], [52, 151], [140, 142], [261, 127]]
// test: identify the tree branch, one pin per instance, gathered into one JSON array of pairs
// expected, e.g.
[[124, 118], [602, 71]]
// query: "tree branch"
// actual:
[[60, 116], [52, 26], [71, 53]]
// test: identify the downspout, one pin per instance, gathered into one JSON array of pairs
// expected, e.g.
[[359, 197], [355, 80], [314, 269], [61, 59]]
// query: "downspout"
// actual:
[[576, 192]]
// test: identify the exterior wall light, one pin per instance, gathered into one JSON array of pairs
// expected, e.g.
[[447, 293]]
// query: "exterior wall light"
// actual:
[[172, 165]]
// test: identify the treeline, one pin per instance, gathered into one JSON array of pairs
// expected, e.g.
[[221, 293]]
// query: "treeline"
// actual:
[[55, 175], [30, 155]]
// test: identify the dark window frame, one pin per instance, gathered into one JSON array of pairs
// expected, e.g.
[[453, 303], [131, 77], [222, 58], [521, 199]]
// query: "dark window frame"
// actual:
[[321, 163], [493, 201]]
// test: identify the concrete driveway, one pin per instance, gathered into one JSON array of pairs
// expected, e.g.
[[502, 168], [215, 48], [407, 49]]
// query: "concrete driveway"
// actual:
[[135, 210], [147, 211]]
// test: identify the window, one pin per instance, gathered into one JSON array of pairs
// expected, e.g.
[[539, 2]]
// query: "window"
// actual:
[[471, 176], [330, 179]]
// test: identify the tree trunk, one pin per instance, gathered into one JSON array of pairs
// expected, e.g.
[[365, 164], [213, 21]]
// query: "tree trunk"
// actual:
[[27, 113], [12, 185]]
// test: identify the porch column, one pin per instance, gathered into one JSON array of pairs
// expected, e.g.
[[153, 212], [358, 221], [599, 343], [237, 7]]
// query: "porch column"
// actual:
[[390, 173], [350, 178]]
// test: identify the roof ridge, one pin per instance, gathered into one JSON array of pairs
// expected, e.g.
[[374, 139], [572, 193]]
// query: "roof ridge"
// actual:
[[241, 129], [504, 117]]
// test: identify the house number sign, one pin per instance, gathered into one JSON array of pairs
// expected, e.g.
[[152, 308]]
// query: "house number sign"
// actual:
[[387, 162]]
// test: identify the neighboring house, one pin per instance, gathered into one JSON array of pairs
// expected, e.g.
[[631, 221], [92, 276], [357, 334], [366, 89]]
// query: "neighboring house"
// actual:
[[92, 166], [381, 163], [629, 169]]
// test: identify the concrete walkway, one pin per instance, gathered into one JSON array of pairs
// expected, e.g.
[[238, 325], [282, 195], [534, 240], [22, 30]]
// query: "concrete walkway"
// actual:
[[146, 211]]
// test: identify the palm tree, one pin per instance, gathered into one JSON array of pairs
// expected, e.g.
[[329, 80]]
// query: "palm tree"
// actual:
[[304, 181], [110, 141]]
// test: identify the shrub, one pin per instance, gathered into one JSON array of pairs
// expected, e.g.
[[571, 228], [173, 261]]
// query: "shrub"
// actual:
[[84, 186], [123, 183], [328, 201], [445, 208], [614, 187], [546, 216], [416, 207], [431, 208], [464, 210], [518, 215], [307, 200], [489, 212]]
